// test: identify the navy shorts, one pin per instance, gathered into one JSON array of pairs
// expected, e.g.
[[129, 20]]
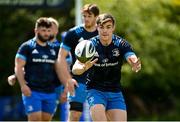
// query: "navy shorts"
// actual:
[[111, 100]]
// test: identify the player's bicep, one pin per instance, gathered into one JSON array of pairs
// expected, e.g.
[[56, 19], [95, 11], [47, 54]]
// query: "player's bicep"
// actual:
[[19, 62], [63, 53]]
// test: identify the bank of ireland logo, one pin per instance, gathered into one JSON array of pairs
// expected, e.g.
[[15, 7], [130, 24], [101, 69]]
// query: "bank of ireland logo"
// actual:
[[105, 60], [115, 52], [45, 56]]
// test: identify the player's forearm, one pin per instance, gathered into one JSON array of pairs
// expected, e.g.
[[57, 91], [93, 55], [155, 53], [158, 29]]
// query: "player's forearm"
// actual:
[[78, 71], [19, 72], [62, 71], [78, 68]]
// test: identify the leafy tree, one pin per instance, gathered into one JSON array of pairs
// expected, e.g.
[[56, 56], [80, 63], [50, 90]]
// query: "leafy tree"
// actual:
[[152, 27]]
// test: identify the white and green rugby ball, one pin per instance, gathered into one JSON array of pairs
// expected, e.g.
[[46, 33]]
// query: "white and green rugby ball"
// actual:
[[85, 51]]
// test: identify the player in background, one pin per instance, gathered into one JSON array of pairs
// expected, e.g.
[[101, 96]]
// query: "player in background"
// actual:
[[103, 80], [60, 93], [35, 69], [72, 38], [61, 96]]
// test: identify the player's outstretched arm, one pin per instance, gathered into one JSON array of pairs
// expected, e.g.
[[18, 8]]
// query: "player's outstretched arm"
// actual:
[[134, 62], [79, 68], [63, 72]]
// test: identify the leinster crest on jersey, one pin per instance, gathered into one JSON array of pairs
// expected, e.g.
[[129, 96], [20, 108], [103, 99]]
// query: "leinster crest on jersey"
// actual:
[[53, 52], [116, 52]]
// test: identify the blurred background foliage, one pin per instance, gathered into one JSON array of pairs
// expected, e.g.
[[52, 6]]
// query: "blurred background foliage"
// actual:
[[151, 26]]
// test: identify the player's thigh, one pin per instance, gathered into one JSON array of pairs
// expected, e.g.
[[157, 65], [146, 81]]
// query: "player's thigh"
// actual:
[[35, 116], [49, 104], [46, 116], [58, 91], [116, 115], [97, 112], [96, 97], [32, 104], [116, 107], [80, 94], [97, 102], [115, 101]]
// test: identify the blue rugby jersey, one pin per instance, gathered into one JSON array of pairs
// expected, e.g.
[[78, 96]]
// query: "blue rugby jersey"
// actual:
[[56, 45], [72, 38], [105, 75], [39, 68]]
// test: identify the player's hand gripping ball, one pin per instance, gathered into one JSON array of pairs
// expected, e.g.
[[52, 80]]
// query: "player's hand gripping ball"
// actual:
[[85, 51]]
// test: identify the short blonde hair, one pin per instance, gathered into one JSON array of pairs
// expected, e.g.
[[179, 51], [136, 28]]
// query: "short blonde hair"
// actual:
[[103, 18], [54, 21]]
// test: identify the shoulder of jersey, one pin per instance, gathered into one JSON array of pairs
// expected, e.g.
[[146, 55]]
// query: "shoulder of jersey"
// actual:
[[117, 40], [95, 40], [30, 43], [54, 44], [77, 29]]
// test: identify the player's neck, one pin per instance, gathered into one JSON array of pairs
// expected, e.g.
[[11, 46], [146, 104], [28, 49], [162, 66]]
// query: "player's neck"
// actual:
[[105, 42], [90, 28], [41, 43], [53, 40]]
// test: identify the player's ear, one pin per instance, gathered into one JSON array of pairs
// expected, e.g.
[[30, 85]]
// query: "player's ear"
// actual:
[[35, 30], [97, 26], [114, 28]]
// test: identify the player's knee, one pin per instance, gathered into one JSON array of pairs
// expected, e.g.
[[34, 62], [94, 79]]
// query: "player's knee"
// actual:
[[75, 115], [35, 116], [76, 106], [76, 109]]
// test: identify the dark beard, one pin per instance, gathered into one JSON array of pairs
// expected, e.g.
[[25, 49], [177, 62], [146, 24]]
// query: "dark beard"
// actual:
[[51, 37], [41, 38], [87, 26]]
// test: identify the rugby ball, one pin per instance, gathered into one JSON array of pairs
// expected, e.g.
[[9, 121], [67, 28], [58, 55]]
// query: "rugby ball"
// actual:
[[85, 51]]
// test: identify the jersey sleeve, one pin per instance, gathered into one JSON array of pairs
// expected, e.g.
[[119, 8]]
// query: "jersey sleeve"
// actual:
[[68, 40], [22, 52], [126, 49]]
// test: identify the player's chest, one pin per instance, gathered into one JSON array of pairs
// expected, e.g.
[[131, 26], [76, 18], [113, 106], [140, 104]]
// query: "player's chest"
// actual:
[[43, 55], [107, 54]]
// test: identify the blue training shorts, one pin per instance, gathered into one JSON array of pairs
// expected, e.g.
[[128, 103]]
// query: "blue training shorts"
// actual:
[[59, 90], [110, 100], [38, 101], [80, 94]]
